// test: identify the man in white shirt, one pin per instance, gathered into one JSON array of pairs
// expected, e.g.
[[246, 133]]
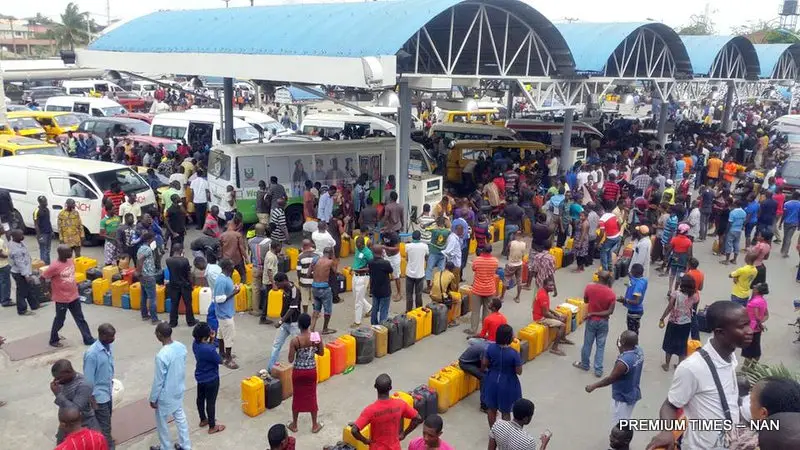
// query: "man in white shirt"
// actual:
[[130, 205], [180, 178], [417, 253], [200, 196], [325, 208], [694, 220], [693, 387], [552, 167], [322, 239], [583, 176]]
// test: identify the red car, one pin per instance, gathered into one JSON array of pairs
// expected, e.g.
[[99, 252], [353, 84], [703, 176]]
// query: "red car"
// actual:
[[144, 117], [132, 101]]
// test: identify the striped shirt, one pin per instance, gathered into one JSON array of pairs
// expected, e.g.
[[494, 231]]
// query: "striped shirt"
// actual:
[[278, 218], [84, 439], [670, 227], [509, 435], [304, 262], [483, 282]]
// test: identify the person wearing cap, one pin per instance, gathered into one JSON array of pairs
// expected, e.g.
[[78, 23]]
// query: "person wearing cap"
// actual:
[[668, 196], [680, 250], [641, 248]]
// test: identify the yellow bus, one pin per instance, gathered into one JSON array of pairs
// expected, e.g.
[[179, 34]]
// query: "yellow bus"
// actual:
[[485, 116], [11, 145], [463, 155], [54, 123]]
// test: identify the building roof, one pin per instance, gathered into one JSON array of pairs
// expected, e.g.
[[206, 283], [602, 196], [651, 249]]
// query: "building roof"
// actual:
[[770, 54], [592, 44], [703, 50]]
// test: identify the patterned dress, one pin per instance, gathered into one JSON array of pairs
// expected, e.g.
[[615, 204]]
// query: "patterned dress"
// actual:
[[70, 228], [111, 250]]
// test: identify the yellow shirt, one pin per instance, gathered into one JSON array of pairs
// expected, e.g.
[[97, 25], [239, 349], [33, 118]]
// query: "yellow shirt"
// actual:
[[742, 278], [442, 281]]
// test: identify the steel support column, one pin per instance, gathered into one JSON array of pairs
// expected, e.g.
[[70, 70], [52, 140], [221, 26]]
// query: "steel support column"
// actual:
[[662, 123], [510, 101], [727, 113], [227, 111], [566, 137], [403, 144]]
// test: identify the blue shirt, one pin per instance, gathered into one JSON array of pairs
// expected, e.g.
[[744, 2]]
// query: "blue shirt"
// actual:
[[769, 209], [670, 227], [224, 287], [736, 219], [98, 369], [791, 212], [465, 225], [752, 211], [626, 388], [680, 166], [208, 360], [169, 379], [636, 286], [325, 208]]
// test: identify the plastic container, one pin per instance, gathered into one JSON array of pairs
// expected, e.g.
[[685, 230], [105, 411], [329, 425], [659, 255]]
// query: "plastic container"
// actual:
[[253, 396], [419, 318], [403, 267], [206, 295], [283, 372], [406, 397], [93, 274], [365, 344], [126, 301], [394, 336], [381, 340], [344, 248], [99, 289], [524, 351], [350, 344], [537, 336], [499, 229], [338, 356], [567, 310], [558, 255], [580, 304], [237, 278], [408, 327], [273, 392], [80, 277], [402, 248], [454, 312], [440, 316], [84, 263], [323, 366], [515, 344], [347, 437], [347, 272], [37, 264], [161, 298], [441, 385], [196, 300], [427, 321], [117, 289], [457, 382], [127, 275], [473, 245], [466, 293], [274, 303], [107, 299], [240, 299], [136, 295], [293, 254], [427, 400], [248, 274]]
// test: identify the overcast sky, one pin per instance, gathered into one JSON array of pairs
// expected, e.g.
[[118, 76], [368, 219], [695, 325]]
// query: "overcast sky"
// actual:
[[725, 13]]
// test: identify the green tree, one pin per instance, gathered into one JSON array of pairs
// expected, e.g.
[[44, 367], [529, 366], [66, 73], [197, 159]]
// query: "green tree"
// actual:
[[74, 28], [41, 19], [699, 25], [766, 32]]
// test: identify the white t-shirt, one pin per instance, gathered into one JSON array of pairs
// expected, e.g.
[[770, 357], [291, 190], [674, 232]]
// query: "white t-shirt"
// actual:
[[693, 389], [322, 241], [582, 178], [199, 187], [179, 177], [553, 166], [416, 252]]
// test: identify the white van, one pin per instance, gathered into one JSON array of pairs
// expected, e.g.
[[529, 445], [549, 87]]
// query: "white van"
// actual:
[[205, 128], [144, 87], [264, 123], [89, 87], [340, 125], [98, 107], [27, 177]]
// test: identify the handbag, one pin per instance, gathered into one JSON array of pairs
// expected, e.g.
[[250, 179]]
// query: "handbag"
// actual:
[[735, 438]]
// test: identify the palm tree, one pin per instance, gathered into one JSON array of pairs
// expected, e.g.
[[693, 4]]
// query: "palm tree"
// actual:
[[73, 29]]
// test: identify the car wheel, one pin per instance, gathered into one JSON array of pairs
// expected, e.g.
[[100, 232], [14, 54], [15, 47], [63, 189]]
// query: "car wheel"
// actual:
[[294, 218]]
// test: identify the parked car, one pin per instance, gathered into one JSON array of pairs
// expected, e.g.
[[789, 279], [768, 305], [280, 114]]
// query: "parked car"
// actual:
[[144, 117], [40, 94], [111, 126], [132, 101]]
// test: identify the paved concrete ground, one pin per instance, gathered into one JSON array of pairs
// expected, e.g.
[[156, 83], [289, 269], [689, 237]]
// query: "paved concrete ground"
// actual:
[[577, 419]]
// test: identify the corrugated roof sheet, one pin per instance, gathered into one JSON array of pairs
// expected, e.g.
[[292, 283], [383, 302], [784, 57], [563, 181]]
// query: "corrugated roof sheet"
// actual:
[[703, 50], [769, 54]]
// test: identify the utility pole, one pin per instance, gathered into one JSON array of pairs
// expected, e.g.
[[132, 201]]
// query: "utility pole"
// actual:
[[108, 12]]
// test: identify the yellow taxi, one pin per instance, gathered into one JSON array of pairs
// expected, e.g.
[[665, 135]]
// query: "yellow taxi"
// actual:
[[25, 126], [54, 123], [11, 145]]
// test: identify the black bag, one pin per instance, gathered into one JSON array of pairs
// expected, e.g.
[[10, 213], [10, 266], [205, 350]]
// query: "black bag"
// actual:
[[37, 296], [702, 323]]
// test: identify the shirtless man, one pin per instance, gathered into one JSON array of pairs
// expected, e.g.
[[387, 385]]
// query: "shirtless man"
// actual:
[[391, 248], [321, 271]]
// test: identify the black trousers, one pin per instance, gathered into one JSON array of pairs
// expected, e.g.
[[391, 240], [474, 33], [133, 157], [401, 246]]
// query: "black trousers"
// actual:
[[74, 308], [176, 293], [414, 292], [475, 371], [200, 214], [24, 298], [207, 401]]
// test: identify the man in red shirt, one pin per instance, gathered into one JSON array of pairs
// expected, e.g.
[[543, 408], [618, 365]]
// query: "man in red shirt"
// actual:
[[64, 292], [77, 437], [611, 189], [279, 438], [609, 226], [484, 286], [384, 418], [493, 321], [601, 300], [549, 318]]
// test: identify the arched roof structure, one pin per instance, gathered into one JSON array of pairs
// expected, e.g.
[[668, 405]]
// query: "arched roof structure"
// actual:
[[722, 57], [626, 50], [350, 44], [779, 61]]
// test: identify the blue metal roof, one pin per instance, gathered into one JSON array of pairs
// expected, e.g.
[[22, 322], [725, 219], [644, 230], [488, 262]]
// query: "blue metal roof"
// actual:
[[330, 29], [769, 54], [592, 44], [299, 95], [703, 50]]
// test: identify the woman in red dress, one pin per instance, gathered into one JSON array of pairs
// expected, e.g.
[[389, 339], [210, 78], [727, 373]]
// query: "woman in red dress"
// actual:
[[304, 375]]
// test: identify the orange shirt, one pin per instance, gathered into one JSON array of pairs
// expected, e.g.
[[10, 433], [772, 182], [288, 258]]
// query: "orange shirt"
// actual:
[[490, 325], [714, 166], [688, 167], [698, 276], [483, 283], [730, 171]]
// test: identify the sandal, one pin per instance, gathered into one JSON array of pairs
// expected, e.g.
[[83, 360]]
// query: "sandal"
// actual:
[[231, 365], [320, 425], [216, 429], [578, 365], [566, 341], [203, 423], [665, 367], [328, 331], [289, 427], [557, 352]]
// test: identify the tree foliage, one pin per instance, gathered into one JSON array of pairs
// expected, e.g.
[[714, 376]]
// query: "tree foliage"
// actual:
[[766, 32], [699, 25], [74, 28]]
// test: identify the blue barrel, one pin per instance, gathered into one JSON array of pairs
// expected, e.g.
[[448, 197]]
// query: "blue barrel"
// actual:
[[126, 301], [107, 299]]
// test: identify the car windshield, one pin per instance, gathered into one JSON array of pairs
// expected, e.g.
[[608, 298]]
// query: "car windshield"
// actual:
[[793, 138], [67, 120], [138, 127], [245, 134], [53, 150], [127, 179], [113, 111], [270, 126], [24, 123]]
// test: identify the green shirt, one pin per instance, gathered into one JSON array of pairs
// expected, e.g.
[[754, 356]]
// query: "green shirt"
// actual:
[[438, 240], [166, 197], [110, 225], [362, 257]]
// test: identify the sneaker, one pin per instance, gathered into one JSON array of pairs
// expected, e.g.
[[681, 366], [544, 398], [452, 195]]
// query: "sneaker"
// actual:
[[27, 313], [155, 321], [265, 321], [7, 304]]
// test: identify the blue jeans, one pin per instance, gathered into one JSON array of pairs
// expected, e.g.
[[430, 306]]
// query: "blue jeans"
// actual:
[[434, 260], [162, 415], [596, 330], [605, 252], [285, 330], [5, 284], [45, 241], [380, 309], [148, 297], [509, 230], [739, 300], [323, 300]]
